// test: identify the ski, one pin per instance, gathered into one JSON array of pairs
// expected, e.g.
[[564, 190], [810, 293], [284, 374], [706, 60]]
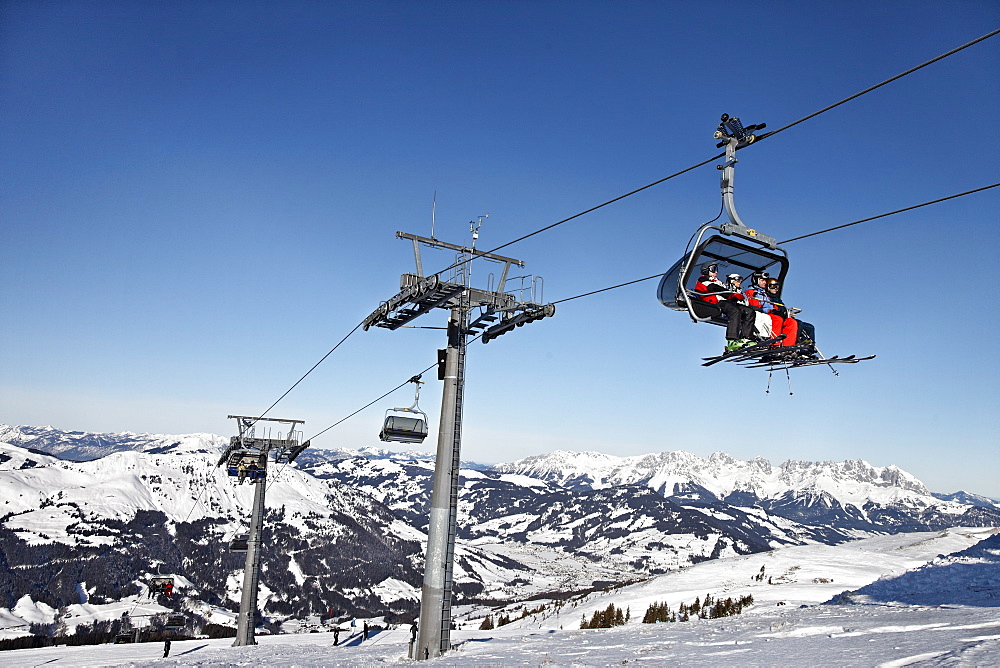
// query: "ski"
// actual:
[[749, 352], [797, 363]]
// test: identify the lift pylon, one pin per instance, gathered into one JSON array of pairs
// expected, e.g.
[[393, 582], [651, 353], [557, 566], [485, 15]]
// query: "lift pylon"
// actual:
[[418, 295], [246, 459]]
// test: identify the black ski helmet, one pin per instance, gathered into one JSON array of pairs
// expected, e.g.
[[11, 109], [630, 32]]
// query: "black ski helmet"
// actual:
[[757, 275], [709, 266]]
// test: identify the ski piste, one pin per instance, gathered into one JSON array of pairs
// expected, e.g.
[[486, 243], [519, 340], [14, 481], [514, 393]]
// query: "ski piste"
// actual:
[[748, 352]]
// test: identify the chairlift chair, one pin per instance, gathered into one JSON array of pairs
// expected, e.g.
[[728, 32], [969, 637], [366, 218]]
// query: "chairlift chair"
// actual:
[[404, 428], [405, 425], [735, 247], [246, 458], [738, 249], [240, 543], [176, 622], [736, 252], [161, 585]]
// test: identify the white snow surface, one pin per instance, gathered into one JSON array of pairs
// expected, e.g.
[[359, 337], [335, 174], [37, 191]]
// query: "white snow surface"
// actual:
[[956, 624]]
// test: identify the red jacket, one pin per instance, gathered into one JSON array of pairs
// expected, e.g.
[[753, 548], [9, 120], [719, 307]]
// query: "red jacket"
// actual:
[[713, 290]]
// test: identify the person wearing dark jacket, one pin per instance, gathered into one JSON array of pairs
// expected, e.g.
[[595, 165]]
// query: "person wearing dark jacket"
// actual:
[[740, 325]]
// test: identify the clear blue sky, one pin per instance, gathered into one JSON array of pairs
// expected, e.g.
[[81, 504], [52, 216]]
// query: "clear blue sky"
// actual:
[[198, 200]]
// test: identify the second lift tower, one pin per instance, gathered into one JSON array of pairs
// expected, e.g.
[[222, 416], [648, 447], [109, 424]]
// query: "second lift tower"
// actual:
[[246, 460]]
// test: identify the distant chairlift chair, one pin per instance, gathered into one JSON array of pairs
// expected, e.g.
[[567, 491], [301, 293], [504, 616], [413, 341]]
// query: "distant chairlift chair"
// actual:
[[161, 585], [405, 425]]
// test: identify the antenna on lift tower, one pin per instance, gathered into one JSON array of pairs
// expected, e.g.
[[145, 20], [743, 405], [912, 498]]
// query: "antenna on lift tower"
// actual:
[[434, 208], [474, 228], [421, 294]]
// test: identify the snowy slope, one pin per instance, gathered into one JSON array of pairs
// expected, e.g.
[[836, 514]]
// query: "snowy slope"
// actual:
[[965, 632], [113, 522], [169, 509], [345, 529]]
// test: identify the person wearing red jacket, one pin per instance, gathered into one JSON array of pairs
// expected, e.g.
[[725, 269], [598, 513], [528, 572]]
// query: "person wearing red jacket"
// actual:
[[740, 325], [806, 333], [759, 299]]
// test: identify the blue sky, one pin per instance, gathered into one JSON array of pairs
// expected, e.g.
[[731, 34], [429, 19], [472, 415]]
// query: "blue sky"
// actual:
[[199, 200]]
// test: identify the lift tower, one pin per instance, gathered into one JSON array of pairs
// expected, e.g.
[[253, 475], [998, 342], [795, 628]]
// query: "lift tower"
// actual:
[[471, 311], [246, 459]]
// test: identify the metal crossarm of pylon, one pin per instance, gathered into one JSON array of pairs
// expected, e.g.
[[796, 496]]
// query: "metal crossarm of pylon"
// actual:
[[419, 295], [530, 313]]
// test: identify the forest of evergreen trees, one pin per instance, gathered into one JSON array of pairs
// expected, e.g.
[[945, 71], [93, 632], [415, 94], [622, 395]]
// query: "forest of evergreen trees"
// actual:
[[605, 619], [707, 608]]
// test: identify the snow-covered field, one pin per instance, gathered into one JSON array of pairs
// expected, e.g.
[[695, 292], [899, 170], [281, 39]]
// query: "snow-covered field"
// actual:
[[909, 605]]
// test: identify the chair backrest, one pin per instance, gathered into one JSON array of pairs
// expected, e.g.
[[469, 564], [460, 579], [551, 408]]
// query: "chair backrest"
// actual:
[[733, 255]]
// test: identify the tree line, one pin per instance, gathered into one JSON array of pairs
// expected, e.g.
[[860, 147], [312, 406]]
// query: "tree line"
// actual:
[[707, 608]]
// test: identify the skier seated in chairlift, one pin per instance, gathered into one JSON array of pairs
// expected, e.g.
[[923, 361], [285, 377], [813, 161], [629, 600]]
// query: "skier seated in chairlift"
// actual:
[[762, 325], [242, 469], [760, 300], [252, 470], [806, 333], [740, 325]]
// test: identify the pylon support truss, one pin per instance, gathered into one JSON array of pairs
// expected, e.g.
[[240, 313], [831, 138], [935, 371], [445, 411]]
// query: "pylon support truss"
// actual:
[[248, 445], [419, 295]]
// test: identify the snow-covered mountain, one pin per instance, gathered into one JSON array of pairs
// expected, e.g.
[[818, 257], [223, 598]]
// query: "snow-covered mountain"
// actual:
[[94, 515], [845, 495], [163, 506], [81, 446], [113, 522]]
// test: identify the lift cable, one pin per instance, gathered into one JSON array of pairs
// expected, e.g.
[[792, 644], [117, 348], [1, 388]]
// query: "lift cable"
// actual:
[[891, 213], [721, 155], [313, 368], [804, 236], [613, 287], [416, 375], [374, 401], [655, 183], [647, 278], [879, 85]]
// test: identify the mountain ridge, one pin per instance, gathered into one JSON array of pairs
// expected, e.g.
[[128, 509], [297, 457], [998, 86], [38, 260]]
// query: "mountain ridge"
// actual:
[[346, 528]]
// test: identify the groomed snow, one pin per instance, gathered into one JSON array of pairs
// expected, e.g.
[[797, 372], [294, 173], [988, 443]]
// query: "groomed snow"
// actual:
[[786, 626]]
